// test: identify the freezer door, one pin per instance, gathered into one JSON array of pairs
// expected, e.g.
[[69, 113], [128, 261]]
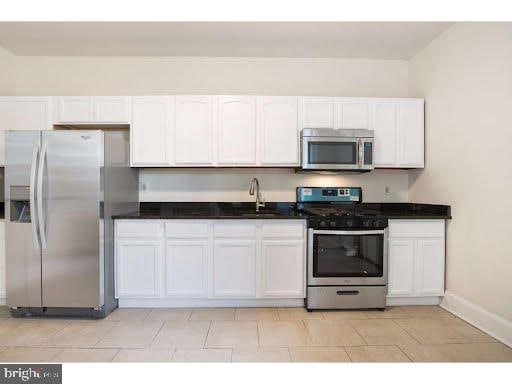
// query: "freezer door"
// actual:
[[22, 244], [70, 182]]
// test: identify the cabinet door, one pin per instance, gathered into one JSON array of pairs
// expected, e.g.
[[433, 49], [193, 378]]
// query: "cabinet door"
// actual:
[[186, 268], [2, 260], [151, 131], [384, 124], [430, 267], [316, 112], [75, 109], [234, 268], [278, 130], [23, 113], [111, 109], [283, 268], [138, 268], [411, 133], [401, 254], [351, 113], [193, 130], [236, 130]]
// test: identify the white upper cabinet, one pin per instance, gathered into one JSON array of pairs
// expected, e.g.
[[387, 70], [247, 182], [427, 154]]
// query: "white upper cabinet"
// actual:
[[151, 131], [278, 130], [111, 109], [193, 122], [351, 113], [411, 133], [384, 125], [316, 112], [25, 114], [92, 110], [236, 130], [399, 132]]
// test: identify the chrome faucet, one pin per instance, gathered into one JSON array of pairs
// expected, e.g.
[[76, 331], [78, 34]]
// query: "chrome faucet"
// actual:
[[260, 203]]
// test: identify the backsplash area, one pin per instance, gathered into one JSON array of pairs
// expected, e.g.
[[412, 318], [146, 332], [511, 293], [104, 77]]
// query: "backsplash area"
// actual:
[[230, 184]]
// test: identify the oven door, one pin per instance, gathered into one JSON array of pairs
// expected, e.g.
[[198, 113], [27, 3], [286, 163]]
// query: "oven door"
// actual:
[[331, 153], [357, 257]]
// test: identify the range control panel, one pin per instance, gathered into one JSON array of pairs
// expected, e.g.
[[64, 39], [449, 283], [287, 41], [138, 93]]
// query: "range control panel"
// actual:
[[329, 194]]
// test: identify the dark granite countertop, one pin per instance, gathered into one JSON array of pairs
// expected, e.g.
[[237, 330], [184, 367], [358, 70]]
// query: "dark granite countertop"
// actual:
[[284, 210]]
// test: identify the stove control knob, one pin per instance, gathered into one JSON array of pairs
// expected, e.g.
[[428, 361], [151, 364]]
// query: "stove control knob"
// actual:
[[366, 223], [350, 223], [323, 224], [333, 224]]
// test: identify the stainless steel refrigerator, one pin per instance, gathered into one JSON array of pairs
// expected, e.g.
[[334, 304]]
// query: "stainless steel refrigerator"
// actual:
[[61, 190]]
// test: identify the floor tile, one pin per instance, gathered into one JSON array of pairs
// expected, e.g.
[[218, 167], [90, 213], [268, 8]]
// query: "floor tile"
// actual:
[[389, 313], [377, 354], [129, 314], [256, 314], [345, 315], [441, 330], [232, 334], [169, 314], [319, 354], [432, 311], [32, 332], [298, 314], [182, 334], [26, 354], [332, 333], [4, 312], [475, 352], [85, 355], [382, 332], [213, 314], [144, 356], [282, 333], [80, 334], [131, 334], [202, 355], [7, 325], [261, 355]]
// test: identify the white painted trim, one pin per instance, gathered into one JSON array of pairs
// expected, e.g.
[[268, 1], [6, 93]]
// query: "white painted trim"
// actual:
[[427, 300], [491, 323], [195, 303]]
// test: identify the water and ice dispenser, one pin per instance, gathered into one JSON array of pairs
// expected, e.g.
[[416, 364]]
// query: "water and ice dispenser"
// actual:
[[20, 204]]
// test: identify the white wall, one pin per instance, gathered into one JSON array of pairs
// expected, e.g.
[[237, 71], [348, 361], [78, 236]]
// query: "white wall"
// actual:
[[7, 73], [181, 75], [465, 76], [275, 184]]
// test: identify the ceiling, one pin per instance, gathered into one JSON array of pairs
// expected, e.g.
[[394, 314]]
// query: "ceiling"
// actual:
[[368, 40]]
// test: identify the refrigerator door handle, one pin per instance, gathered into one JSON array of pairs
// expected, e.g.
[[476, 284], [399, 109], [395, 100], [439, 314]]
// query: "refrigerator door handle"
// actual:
[[33, 209], [42, 229]]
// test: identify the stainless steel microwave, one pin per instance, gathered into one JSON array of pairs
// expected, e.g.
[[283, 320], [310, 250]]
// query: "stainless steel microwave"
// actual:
[[326, 149]]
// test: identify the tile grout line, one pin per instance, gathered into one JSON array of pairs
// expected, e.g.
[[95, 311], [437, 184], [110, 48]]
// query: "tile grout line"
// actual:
[[156, 334], [117, 353], [405, 353], [207, 333], [405, 330]]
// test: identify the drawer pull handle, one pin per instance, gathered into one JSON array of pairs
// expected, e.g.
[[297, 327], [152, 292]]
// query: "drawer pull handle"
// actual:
[[343, 293]]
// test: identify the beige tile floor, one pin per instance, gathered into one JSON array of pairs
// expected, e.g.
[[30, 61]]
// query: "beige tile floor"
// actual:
[[400, 334]]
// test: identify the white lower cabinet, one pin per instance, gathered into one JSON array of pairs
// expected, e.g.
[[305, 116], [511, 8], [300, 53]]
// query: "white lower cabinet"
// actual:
[[210, 259], [234, 268], [138, 267], [186, 268], [416, 258], [282, 268]]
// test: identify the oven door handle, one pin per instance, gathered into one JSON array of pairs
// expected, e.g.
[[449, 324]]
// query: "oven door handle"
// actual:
[[369, 232]]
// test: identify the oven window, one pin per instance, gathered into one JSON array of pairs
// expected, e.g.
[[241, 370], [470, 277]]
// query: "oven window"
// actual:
[[332, 152], [348, 255]]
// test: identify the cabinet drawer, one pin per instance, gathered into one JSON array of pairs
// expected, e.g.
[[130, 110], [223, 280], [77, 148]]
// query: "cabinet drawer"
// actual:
[[234, 229], [186, 229], [416, 228], [139, 229], [279, 229]]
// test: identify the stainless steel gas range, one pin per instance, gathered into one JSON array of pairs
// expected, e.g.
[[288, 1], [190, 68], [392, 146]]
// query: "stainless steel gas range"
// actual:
[[347, 250]]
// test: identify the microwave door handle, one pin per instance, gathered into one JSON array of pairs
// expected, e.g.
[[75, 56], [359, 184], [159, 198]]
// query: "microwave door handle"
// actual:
[[33, 209], [42, 229], [361, 153]]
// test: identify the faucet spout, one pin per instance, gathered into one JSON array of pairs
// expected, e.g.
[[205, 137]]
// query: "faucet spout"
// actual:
[[255, 190]]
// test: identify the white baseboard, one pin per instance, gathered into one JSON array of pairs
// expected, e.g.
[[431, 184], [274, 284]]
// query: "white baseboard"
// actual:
[[208, 303], [397, 301], [496, 326]]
